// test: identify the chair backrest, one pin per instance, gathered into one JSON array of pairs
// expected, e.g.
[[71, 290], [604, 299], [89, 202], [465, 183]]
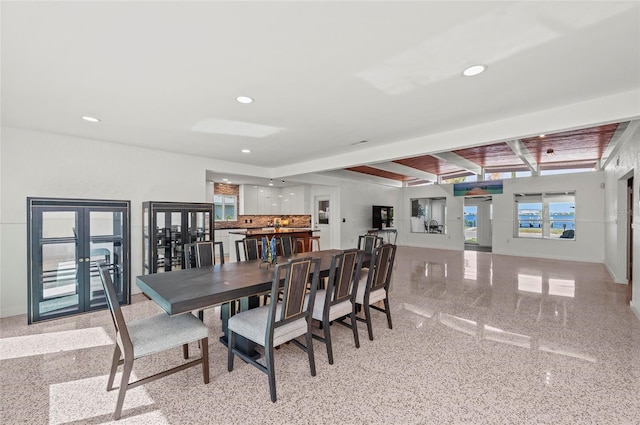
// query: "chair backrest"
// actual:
[[368, 243], [205, 255], [297, 273], [122, 334], [249, 249], [381, 267], [344, 275], [189, 251], [287, 245]]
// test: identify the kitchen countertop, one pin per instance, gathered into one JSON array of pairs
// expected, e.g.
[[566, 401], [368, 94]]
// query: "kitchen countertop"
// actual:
[[271, 231]]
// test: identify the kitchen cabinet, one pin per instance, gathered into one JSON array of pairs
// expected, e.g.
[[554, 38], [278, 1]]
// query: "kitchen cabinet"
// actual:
[[265, 200], [250, 199]]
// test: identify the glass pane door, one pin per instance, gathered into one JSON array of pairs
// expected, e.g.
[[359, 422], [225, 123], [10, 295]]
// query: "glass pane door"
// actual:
[[471, 224], [169, 247], [56, 264], [106, 240], [66, 240]]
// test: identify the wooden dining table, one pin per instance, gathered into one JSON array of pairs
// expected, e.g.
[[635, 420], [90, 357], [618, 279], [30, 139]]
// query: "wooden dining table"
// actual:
[[183, 291]]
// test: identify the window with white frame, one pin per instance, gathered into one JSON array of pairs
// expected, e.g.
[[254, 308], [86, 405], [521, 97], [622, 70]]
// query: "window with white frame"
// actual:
[[225, 207], [545, 215]]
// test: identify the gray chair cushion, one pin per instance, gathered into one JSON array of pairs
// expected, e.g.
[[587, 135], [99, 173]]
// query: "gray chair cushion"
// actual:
[[375, 296], [252, 324], [161, 332], [336, 311]]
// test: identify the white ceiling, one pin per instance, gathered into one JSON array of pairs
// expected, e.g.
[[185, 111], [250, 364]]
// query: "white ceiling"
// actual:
[[324, 75]]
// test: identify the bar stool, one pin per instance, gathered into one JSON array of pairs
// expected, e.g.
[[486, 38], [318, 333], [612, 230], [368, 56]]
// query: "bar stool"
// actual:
[[313, 239]]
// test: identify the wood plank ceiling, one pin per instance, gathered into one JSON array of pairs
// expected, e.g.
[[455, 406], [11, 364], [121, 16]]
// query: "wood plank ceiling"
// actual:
[[569, 149]]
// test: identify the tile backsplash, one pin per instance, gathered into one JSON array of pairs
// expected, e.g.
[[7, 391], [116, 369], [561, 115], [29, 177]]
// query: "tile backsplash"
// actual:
[[259, 221]]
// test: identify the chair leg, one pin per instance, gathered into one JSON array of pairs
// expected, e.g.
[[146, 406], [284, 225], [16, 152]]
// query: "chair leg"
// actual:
[[185, 350], [124, 384], [268, 354], [367, 316], [309, 339], [204, 352], [327, 340], [386, 310], [114, 367], [231, 341], [354, 327]]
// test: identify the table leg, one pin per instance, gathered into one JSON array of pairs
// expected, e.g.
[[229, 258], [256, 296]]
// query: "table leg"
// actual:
[[227, 310]]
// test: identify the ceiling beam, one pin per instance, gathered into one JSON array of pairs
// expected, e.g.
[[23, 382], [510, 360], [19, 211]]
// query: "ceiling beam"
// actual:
[[362, 178], [458, 161], [394, 167], [524, 154], [623, 132]]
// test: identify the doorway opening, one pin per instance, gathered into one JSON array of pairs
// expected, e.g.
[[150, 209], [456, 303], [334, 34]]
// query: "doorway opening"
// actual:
[[478, 215], [630, 232], [323, 219]]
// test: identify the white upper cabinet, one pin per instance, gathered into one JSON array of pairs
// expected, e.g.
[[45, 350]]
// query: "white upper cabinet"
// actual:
[[250, 199], [265, 200]]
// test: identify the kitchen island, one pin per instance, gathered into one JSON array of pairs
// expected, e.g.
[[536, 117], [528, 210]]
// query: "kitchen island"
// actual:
[[301, 235]]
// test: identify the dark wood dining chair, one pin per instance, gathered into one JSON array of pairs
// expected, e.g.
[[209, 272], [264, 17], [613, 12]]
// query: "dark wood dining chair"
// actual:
[[368, 243], [288, 245], [374, 286], [337, 301], [143, 337], [203, 255], [279, 322], [249, 249]]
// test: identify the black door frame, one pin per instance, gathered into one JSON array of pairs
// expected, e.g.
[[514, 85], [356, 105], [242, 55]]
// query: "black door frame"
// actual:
[[82, 207]]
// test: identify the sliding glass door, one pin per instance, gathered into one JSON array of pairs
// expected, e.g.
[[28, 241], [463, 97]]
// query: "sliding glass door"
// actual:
[[66, 239]]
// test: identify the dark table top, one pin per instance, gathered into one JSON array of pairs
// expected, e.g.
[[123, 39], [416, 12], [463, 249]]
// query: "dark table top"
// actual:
[[186, 290]]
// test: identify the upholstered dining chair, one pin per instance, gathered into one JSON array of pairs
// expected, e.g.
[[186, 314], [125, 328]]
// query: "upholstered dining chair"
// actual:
[[205, 253], [201, 254], [279, 322], [368, 243], [249, 249], [143, 337], [338, 299], [374, 286], [288, 245]]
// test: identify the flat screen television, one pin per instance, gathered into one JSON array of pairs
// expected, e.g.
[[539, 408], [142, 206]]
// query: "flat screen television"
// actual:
[[382, 217]]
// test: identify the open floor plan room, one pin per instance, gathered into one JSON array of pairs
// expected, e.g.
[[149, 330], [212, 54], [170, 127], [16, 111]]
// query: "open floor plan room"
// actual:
[[477, 338]]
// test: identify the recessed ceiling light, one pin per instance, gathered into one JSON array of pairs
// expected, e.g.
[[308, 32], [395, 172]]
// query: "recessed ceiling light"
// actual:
[[246, 151], [542, 136], [244, 99], [474, 70], [90, 119], [225, 180]]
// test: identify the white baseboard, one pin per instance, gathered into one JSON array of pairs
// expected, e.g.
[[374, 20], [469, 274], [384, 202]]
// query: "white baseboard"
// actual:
[[635, 308], [613, 275], [12, 311]]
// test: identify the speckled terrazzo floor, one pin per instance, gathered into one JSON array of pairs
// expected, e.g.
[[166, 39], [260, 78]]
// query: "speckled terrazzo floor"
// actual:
[[477, 339]]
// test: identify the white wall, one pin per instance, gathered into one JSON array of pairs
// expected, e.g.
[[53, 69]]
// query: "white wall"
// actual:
[[356, 202], [454, 237], [625, 163], [41, 164], [588, 245]]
